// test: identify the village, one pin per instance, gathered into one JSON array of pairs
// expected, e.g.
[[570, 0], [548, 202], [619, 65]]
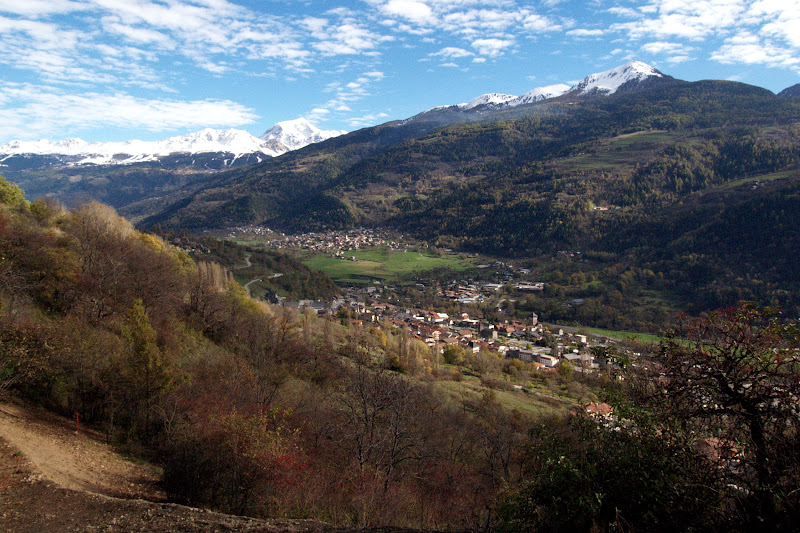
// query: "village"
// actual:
[[397, 306], [337, 242], [530, 341]]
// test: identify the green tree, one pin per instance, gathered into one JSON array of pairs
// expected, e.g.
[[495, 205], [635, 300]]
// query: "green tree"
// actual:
[[11, 194], [146, 370], [588, 474]]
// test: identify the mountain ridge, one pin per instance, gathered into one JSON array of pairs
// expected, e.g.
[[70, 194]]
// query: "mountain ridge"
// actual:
[[281, 138], [294, 134]]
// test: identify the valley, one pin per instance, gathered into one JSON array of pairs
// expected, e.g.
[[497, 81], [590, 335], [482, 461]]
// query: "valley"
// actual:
[[519, 313]]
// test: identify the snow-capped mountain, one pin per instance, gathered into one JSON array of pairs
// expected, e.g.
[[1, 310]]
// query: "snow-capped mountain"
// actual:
[[237, 142], [281, 138], [610, 81], [493, 99], [295, 134], [602, 83], [497, 100], [540, 93]]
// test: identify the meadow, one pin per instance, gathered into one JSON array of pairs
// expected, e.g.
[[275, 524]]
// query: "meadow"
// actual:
[[384, 264]]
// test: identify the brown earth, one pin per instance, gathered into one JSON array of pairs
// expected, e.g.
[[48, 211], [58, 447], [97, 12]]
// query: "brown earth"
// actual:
[[56, 480]]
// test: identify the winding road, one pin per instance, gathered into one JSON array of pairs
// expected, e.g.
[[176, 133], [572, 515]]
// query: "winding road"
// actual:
[[248, 264]]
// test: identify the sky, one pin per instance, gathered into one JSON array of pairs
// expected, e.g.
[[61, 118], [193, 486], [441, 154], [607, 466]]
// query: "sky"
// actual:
[[114, 70]]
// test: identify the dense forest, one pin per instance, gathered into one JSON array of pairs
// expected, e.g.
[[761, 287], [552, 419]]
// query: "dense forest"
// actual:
[[258, 410]]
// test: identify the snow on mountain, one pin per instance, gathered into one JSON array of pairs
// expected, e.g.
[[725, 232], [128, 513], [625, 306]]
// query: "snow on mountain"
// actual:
[[237, 142], [281, 138], [495, 99], [540, 93], [295, 134], [602, 83], [609, 81]]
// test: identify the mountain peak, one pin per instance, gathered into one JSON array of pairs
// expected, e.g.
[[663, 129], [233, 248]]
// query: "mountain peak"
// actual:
[[610, 81], [295, 134], [541, 93], [790, 92], [495, 99]]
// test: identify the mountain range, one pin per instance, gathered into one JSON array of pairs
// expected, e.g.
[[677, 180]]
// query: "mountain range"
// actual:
[[284, 136], [627, 76], [279, 139], [696, 183]]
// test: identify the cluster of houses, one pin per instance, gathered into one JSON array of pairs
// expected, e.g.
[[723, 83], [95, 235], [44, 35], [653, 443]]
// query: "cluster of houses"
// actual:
[[527, 340], [189, 245], [335, 242], [474, 292]]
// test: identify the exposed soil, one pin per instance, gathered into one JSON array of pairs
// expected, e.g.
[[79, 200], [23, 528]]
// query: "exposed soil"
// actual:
[[54, 480], [78, 461]]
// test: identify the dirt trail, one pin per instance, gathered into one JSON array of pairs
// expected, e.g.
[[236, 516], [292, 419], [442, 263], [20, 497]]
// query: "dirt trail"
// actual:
[[52, 479], [74, 461]]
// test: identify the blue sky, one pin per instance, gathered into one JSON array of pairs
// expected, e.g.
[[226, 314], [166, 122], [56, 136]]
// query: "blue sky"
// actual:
[[111, 70]]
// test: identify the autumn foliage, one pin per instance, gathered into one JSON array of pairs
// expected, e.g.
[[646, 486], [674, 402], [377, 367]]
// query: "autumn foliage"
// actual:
[[249, 408]]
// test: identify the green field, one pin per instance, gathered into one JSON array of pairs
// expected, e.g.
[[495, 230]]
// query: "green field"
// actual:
[[384, 264], [529, 405], [761, 177], [624, 335]]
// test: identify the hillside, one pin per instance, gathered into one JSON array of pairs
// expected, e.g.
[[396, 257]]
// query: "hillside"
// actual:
[[375, 177], [657, 176], [267, 412], [249, 409], [56, 480]]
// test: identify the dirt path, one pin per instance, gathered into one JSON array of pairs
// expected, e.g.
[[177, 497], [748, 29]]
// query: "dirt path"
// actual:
[[74, 461], [52, 479]]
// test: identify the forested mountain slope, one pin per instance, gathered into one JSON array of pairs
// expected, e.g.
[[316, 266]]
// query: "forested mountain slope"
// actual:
[[664, 177], [250, 409]]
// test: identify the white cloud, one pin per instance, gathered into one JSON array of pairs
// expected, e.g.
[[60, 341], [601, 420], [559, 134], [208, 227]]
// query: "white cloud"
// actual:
[[690, 19], [366, 120], [452, 52], [583, 32], [344, 94], [39, 8], [137, 35], [346, 39], [624, 12], [761, 32], [468, 20], [417, 12], [782, 19], [491, 47], [216, 35], [665, 47], [539, 24], [748, 49], [679, 59], [31, 111]]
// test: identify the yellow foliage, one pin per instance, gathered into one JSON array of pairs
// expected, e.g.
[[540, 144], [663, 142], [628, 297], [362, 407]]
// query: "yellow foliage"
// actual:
[[151, 241]]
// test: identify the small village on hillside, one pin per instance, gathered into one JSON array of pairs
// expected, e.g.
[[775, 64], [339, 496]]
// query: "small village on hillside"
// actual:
[[376, 304]]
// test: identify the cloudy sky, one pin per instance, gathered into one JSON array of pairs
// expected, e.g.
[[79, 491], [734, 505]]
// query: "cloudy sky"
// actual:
[[110, 70]]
